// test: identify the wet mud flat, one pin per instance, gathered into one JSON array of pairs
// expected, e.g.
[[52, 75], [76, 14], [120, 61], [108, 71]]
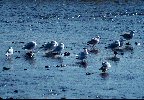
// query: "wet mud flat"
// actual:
[[73, 23]]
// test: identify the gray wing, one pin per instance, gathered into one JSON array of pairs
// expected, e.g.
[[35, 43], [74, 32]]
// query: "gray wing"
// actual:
[[29, 45], [48, 46], [58, 49], [113, 45]]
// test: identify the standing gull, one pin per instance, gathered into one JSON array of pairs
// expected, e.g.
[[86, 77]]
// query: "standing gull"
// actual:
[[50, 46], [58, 49], [114, 45], [105, 66], [82, 55], [94, 41], [128, 35], [30, 46], [9, 52]]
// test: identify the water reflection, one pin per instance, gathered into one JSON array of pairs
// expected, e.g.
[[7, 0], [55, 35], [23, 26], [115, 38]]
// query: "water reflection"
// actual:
[[128, 48], [30, 59], [51, 55], [9, 60], [104, 75], [82, 64], [116, 59], [94, 51]]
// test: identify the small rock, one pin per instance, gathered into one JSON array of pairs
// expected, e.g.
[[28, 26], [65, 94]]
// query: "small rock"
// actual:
[[5, 68], [13, 42], [122, 53], [16, 91], [63, 90], [47, 66], [11, 84]]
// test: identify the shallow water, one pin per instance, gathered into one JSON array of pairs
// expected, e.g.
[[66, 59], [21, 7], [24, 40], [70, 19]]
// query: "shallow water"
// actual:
[[73, 23]]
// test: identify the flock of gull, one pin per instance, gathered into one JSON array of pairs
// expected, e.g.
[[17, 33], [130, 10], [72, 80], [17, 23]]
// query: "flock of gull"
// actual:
[[55, 48]]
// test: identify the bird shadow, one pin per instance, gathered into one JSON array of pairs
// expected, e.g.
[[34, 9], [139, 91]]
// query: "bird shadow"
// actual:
[[104, 75], [114, 58], [94, 51], [128, 48], [53, 56], [9, 60], [30, 59], [82, 64]]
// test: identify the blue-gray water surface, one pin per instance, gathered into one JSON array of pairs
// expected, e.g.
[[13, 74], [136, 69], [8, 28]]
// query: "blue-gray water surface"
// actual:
[[73, 22]]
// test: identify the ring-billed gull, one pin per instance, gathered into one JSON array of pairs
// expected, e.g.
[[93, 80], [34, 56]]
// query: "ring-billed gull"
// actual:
[[114, 45], [50, 46], [30, 46], [105, 66], [128, 35], [82, 55], [94, 41], [9, 52], [58, 49]]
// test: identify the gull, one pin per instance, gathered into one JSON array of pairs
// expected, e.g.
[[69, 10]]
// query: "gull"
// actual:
[[105, 66], [9, 52], [58, 49], [114, 45], [50, 46], [128, 35], [30, 46], [82, 55], [94, 41]]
